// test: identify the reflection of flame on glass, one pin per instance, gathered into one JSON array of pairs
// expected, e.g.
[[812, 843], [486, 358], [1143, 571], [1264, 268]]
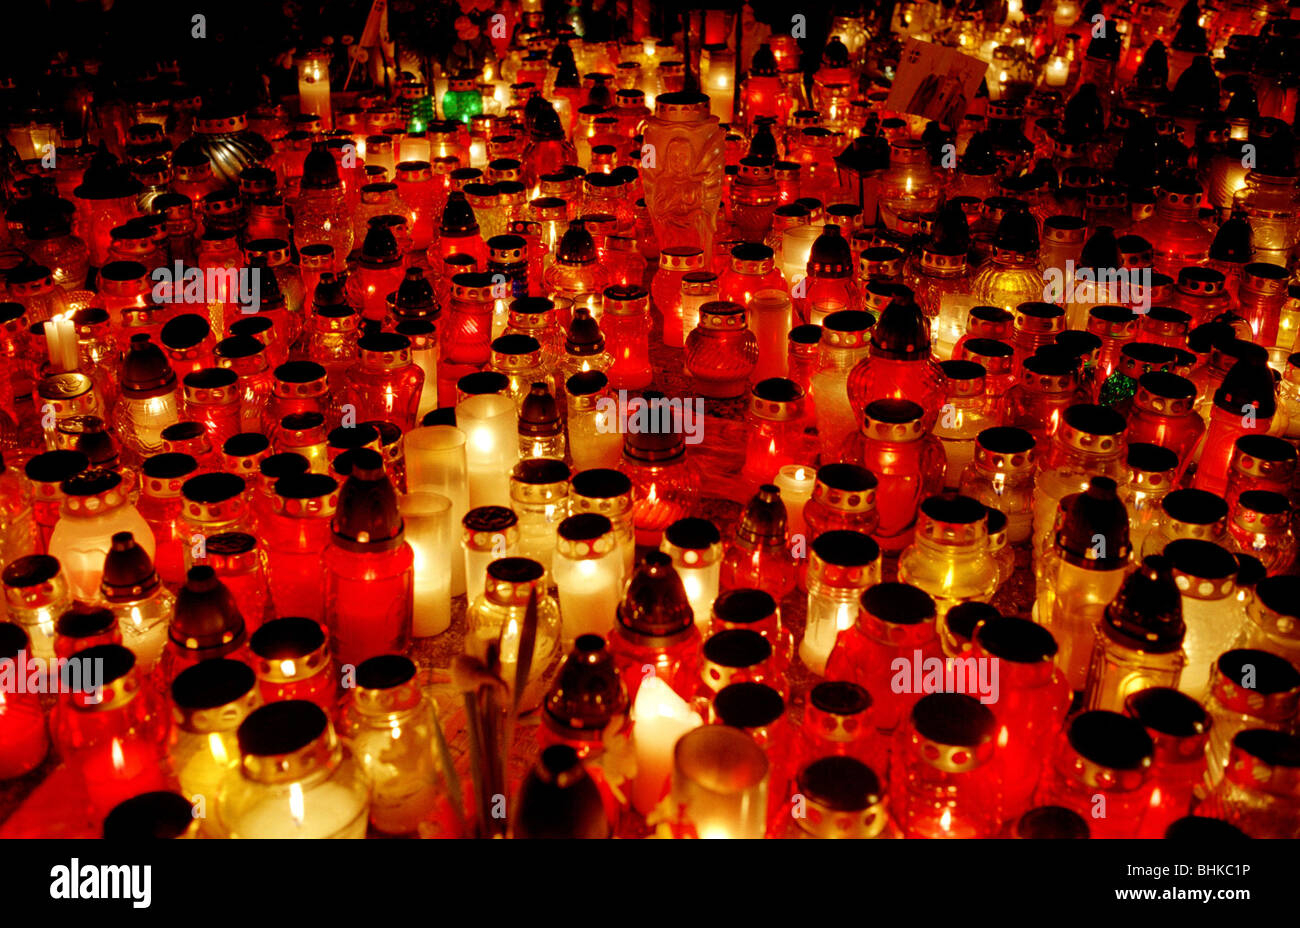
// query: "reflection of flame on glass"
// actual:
[[945, 820], [119, 762], [296, 803]]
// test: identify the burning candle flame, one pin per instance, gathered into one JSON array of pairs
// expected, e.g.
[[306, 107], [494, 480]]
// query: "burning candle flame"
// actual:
[[119, 762]]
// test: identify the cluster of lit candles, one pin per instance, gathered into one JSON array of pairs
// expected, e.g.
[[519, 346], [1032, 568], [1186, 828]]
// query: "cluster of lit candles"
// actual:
[[418, 372]]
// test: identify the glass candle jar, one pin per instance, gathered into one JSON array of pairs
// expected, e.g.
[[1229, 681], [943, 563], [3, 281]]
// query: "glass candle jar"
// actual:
[[1249, 689], [1001, 476], [656, 634], [776, 423], [22, 721], [497, 617], [428, 528], [1082, 572], [209, 701], [368, 566], [949, 556], [675, 262], [845, 343], [292, 661], [1205, 573], [1102, 757], [140, 603], [1179, 728], [1259, 794], [96, 505], [588, 570], [593, 436], [721, 352], [758, 555], [113, 736], [843, 497], [683, 189], [1088, 441], [539, 488], [965, 415], [665, 481], [1163, 414], [944, 780], [895, 621], [36, 594], [295, 780], [899, 365], [906, 461], [625, 321], [388, 725], [695, 547], [841, 566]]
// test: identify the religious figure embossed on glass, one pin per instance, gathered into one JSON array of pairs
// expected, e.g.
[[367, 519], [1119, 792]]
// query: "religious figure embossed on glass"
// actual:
[[682, 161]]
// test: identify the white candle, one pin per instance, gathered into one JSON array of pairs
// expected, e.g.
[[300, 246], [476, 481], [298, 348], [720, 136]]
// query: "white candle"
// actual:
[[327, 811], [588, 569], [314, 87], [659, 717], [61, 342], [429, 532], [796, 482], [490, 424], [1057, 72], [435, 463]]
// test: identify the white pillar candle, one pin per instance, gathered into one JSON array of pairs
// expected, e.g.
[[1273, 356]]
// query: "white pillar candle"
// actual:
[[427, 518], [796, 482], [659, 718], [314, 87], [435, 463], [1057, 72], [490, 424]]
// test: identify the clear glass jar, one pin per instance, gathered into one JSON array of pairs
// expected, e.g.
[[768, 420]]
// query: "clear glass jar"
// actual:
[[1082, 572], [539, 489], [844, 344], [137, 598], [496, 616], [966, 413], [295, 779], [1205, 574], [387, 724], [842, 564], [941, 283], [321, 212], [209, 701], [949, 556], [1138, 642], [1271, 204], [1001, 476], [1152, 476], [1088, 442]]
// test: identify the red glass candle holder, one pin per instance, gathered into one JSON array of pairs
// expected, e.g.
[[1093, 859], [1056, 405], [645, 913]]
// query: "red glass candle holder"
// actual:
[[292, 661], [895, 620], [1102, 757], [1179, 727], [655, 634], [23, 739]]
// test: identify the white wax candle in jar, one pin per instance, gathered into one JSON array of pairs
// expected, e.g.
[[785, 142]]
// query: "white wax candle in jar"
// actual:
[[695, 546], [660, 717], [314, 86], [490, 424], [326, 811], [1057, 72], [796, 482], [588, 570], [435, 463], [427, 518]]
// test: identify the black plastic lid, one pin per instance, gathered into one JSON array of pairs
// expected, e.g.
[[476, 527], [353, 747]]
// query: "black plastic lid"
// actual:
[[840, 697], [281, 728], [741, 606], [1201, 829], [842, 784], [1167, 711], [1017, 640], [1047, 822], [288, 638], [748, 705], [1114, 741], [85, 621], [898, 603], [963, 618], [737, 647], [1195, 507], [845, 548], [159, 815], [1272, 674], [385, 672], [211, 684], [953, 719]]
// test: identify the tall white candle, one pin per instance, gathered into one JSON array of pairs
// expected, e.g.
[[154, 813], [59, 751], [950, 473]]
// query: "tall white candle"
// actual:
[[314, 87], [659, 718], [490, 424], [435, 463], [427, 518]]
